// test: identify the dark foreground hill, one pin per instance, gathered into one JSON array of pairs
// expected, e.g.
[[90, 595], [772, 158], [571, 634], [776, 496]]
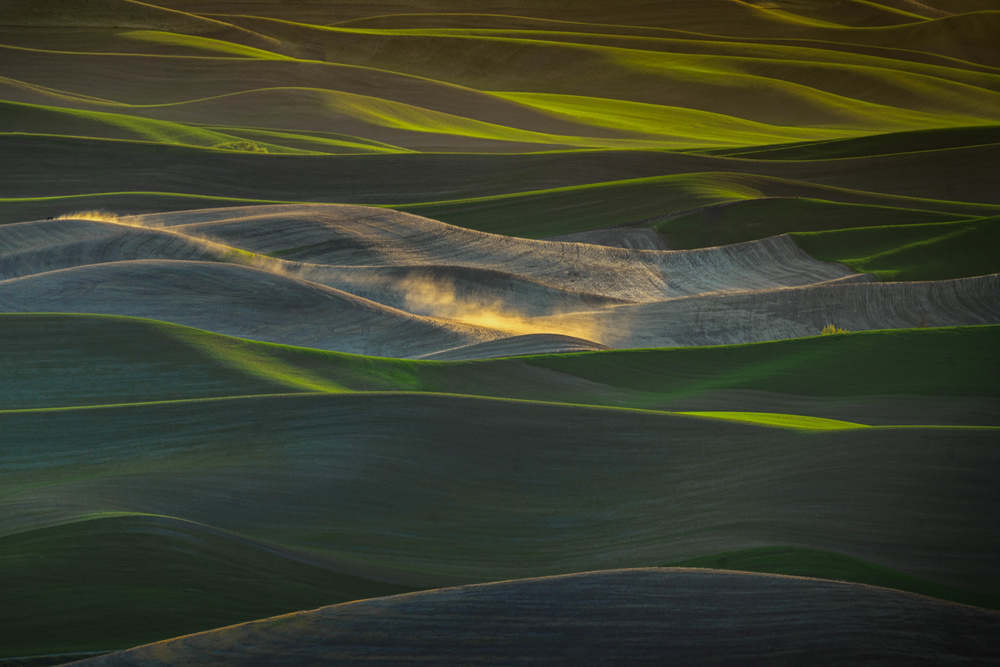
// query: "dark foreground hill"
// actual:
[[635, 617]]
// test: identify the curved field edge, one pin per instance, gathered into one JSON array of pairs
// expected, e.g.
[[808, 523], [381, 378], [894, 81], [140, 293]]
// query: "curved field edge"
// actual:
[[148, 578], [135, 203], [876, 144], [777, 420], [665, 204], [201, 578], [97, 352], [700, 615], [819, 564], [329, 472], [409, 178]]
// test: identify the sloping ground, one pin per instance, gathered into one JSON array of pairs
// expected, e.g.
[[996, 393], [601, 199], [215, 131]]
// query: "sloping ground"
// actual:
[[512, 346], [916, 252], [385, 283], [105, 360], [365, 237], [879, 144], [792, 312], [200, 577], [66, 360], [426, 498], [745, 219], [262, 505], [691, 210], [239, 301], [805, 86], [626, 616], [396, 78], [89, 167]]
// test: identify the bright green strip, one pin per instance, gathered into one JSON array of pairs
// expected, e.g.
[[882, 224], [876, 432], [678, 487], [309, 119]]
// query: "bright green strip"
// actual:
[[254, 361], [371, 110], [204, 44], [39, 119], [803, 562], [821, 95], [139, 404], [817, 51], [768, 419], [779, 420], [675, 123]]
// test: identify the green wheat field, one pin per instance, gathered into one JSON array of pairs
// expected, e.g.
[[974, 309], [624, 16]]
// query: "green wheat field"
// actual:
[[499, 332]]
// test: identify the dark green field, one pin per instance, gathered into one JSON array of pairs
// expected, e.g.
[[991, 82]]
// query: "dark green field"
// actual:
[[717, 288]]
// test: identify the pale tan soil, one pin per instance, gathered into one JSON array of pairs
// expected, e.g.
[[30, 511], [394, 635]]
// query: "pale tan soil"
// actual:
[[239, 301], [617, 237], [783, 313], [382, 282], [355, 279], [516, 346]]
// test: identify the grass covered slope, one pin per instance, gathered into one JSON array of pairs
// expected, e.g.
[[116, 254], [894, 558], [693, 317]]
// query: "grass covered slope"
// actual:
[[916, 252], [327, 473], [259, 505], [150, 577], [64, 361], [113, 360], [271, 480]]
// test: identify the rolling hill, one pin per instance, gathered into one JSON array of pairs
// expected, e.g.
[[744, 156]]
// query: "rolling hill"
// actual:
[[504, 328]]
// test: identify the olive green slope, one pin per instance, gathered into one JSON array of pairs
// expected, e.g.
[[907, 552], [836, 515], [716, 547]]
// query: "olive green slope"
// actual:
[[110, 581], [210, 493], [426, 498], [398, 179], [915, 252], [62, 361]]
